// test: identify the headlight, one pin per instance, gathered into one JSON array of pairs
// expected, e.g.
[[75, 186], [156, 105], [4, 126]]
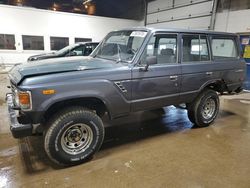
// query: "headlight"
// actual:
[[23, 99]]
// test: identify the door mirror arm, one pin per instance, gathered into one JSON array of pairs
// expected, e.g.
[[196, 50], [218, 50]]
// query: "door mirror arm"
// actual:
[[150, 60]]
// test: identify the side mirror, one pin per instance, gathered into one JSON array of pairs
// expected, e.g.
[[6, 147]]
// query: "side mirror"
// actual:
[[150, 60]]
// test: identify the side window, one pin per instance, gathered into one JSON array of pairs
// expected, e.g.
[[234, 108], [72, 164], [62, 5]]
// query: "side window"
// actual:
[[195, 48], [204, 52], [78, 51], [150, 47], [88, 50], [224, 48], [163, 47]]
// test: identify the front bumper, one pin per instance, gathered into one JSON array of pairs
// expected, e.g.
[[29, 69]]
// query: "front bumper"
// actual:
[[18, 130]]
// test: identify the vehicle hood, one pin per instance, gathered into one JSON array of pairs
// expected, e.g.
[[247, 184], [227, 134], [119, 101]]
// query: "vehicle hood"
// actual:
[[41, 56], [59, 65]]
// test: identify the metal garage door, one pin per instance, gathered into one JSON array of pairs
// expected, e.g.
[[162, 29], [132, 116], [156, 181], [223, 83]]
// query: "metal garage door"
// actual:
[[191, 14]]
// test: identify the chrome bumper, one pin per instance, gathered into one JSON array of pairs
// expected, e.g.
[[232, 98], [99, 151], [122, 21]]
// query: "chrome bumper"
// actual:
[[18, 130]]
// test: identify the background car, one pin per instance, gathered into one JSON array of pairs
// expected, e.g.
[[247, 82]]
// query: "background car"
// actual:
[[78, 49]]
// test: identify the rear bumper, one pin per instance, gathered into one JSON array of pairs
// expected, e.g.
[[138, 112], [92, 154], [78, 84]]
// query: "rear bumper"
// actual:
[[18, 130]]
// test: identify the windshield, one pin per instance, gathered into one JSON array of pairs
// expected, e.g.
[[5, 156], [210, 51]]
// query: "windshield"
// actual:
[[121, 45]]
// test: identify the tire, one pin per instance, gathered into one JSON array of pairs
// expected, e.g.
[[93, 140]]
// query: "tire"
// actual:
[[73, 136], [204, 109], [190, 114]]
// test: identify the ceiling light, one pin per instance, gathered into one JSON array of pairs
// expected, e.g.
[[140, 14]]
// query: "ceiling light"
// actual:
[[19, 2], [86, 2]]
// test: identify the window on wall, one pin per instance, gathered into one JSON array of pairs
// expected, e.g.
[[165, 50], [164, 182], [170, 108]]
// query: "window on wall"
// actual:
[[57, 43], [7, 42], [224, 48], [83, 40], [33, 42], [195, 48]]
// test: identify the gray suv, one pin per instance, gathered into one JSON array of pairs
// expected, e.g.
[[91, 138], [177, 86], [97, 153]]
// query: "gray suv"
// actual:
[[131, 70]]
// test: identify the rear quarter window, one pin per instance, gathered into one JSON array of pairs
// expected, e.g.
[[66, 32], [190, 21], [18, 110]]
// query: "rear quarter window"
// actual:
[[224, 48]]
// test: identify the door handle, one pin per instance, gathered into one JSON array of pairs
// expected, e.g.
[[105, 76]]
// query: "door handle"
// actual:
[[173, 78], [209, 73]]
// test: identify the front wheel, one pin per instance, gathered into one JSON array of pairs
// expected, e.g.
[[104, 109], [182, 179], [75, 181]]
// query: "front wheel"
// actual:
[[203, 111], [73, 136]]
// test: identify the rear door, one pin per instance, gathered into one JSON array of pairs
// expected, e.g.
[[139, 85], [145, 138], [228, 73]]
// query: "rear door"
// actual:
[[196, 65], [159, 85], [226, 55]]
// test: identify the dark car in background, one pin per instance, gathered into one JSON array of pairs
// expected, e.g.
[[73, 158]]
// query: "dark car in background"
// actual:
[[78, 49]]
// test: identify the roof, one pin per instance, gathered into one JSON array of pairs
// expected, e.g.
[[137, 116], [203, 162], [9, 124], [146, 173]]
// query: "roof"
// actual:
[[80, 43], [179, 30]]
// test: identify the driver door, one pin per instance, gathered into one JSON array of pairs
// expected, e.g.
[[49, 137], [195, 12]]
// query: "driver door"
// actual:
[[159, 85]]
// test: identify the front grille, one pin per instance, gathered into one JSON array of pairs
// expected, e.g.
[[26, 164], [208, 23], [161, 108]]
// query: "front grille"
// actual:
[[12, 82], [13, 88]]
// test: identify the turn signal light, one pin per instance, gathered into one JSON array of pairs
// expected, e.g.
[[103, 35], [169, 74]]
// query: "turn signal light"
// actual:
[[49, 92], [24, 100]]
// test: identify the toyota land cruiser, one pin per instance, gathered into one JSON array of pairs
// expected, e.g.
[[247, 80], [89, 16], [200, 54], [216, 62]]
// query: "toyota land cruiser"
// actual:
[[131, 70]]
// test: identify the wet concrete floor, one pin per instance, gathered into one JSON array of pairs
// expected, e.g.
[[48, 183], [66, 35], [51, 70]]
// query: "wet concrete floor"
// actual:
[[148, 149]]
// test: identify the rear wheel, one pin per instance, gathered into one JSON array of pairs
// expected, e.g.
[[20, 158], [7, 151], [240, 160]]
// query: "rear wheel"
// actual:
[[73, 136], [203, 111]]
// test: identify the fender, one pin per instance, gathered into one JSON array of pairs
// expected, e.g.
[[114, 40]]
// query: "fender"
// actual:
[[109, 95], [49, 103], [208, 83]]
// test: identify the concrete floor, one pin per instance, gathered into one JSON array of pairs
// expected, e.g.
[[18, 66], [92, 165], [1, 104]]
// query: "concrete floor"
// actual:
[[148, 149]]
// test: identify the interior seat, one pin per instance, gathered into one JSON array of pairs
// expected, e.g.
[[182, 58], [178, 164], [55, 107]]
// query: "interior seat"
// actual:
[[166, 56]]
